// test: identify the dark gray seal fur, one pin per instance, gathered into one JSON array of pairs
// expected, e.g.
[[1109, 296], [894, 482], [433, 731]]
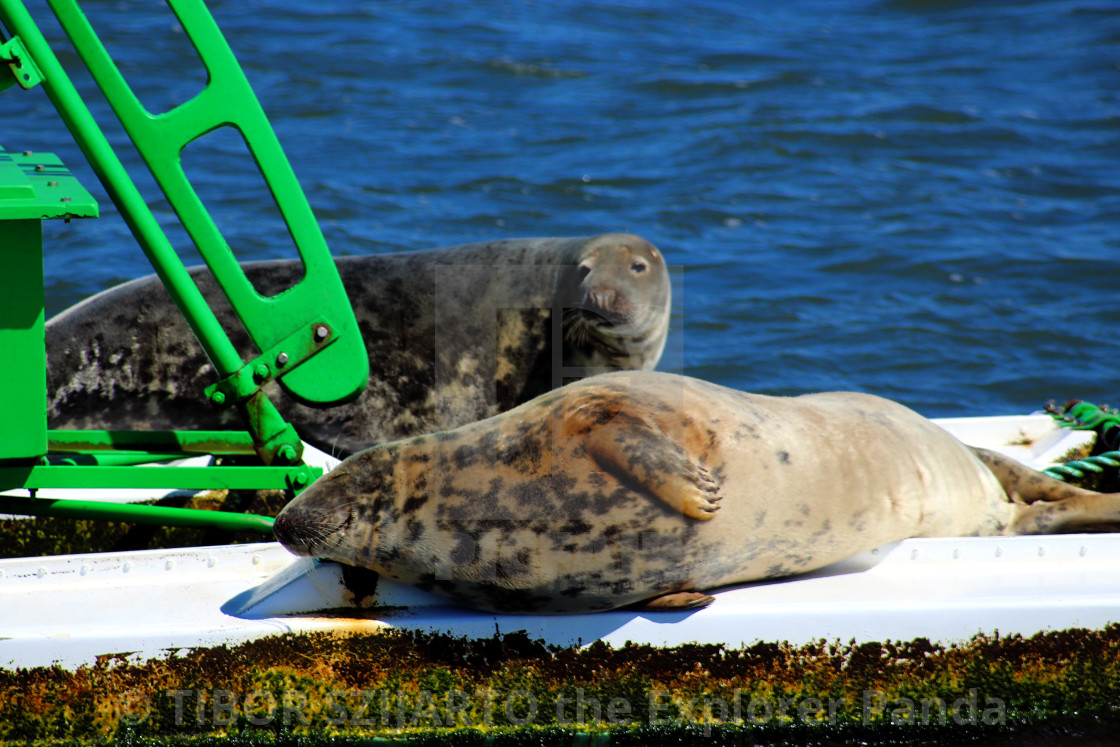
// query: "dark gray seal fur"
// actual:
[[648, 487], [454, 335]]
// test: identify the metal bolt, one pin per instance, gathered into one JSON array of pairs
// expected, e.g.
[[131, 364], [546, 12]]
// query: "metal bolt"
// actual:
[[321, 333], [287, 453], [40, 167], [65, 199], [52, 184], [282, 360], [218, 398], [300, 478], [29, 153], [261, 372]]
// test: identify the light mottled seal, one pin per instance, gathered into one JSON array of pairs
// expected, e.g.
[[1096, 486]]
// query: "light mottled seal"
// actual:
[[650, 487], [454, 335]]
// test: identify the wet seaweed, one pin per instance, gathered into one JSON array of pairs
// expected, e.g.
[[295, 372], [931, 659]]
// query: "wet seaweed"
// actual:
[[329, 688]]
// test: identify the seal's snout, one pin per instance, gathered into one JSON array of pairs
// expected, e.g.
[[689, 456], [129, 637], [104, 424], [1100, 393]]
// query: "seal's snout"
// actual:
[[312, 522], [604, 305], [602, 297]]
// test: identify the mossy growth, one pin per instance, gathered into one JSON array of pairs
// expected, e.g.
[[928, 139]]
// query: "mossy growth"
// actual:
[[37, 537], [1078, 452], [412, 688]]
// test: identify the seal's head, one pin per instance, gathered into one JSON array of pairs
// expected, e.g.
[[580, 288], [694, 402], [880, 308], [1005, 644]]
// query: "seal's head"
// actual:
[[616, 303], [340, 515]]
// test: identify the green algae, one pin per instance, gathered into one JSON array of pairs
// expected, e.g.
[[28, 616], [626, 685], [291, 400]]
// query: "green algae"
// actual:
[[428, 688]]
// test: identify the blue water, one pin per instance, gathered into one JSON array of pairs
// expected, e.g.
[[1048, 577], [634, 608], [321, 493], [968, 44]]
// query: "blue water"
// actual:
[[916, 198]]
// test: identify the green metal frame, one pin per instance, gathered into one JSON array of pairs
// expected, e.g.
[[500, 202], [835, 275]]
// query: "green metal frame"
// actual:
[[136, 514], [309, 337]]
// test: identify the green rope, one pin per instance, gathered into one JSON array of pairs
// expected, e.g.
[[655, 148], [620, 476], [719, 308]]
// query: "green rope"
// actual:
[[1084, 416], [1077, 468]]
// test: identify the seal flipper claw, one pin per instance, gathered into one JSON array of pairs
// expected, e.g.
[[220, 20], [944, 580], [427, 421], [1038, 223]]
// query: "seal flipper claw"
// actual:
[[709, 496], [643, 455], [677, 600]]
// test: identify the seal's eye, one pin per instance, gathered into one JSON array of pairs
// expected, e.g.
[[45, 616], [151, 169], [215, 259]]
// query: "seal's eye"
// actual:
[[584, 271], [638, 268]]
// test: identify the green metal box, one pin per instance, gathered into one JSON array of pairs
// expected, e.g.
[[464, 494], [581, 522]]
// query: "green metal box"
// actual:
[[33, 187]]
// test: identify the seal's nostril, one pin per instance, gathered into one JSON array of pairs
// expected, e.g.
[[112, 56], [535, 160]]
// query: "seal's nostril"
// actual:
[[602, 298]]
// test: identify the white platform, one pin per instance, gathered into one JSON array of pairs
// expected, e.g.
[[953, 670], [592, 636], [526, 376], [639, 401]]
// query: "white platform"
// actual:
[[70, 610]]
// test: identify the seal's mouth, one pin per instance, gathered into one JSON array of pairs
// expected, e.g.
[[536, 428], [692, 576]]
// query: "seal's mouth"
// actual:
[[587, 327], [605, 306], [598, 316]]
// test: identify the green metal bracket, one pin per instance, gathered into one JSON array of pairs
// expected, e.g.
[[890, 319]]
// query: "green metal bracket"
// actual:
[[280, 358], [272, 435], [20, 64]]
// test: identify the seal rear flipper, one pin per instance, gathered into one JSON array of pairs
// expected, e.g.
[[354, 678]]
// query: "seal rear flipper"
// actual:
[[642, 455], [677, 600], [1023, 484], [1089, 512]]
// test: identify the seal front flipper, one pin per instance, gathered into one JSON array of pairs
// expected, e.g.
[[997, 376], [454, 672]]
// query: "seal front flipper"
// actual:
[[677, 600], [642, 455]]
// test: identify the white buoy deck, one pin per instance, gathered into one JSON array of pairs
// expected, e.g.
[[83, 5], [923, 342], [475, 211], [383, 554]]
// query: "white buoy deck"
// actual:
[[70, 610]]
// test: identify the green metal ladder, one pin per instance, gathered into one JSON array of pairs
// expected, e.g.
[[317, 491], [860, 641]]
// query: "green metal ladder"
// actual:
[[309, 337]]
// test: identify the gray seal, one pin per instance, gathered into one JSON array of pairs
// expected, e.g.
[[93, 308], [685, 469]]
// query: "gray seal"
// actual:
[[646, 487], [454, 335]]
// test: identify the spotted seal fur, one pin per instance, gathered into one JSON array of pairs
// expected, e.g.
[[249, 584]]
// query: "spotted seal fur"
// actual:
[[651, 488], [453, 335]]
